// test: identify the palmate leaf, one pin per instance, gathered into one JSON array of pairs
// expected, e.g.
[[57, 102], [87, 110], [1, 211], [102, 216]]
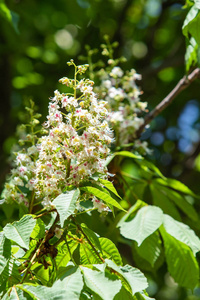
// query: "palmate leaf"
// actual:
[[182, 232], [20, 231], [135, 279], [147, 220], [181, 262], [66, 204], [102, 196], [101, 285]]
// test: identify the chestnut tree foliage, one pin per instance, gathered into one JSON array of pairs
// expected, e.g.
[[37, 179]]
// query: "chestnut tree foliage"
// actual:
[[92, 216]]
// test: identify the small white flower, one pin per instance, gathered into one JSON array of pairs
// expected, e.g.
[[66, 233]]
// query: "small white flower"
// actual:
[[116, 72]]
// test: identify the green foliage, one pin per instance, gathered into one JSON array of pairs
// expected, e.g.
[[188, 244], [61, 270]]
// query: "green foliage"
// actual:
[[180, 261], [147, 220], [20, 231], [60, 247], [66, 204], [8, 15], [106, 197], [191, 31]]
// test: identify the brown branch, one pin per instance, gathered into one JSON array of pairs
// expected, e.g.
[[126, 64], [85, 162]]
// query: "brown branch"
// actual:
[[181, 85]]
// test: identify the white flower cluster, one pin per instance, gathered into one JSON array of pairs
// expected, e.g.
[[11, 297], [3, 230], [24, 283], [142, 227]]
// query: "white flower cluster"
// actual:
[[125, 108], [21, 183], [77, 144]]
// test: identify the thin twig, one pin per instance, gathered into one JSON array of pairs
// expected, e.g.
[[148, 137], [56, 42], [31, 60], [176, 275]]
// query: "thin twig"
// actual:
[[181, 85]]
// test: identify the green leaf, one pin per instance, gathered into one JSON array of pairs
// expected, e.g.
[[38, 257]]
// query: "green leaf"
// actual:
[[176, 185], [132, 211], [63, 256], [102, 196], [3, 263], [71, 284], [180, 201], [142, 296], [5, 246], [20, 231], [182, 232], [110, 251], [66, 288], [149, 166], [15, 294], [11, 273], [9, 15], [161, 200], [136, 279], [39, 230], [109, 186], [181, 262], [105, 287], [192, 23], [128, 154], [92, 236], [191, 54], [88, 255], [66, 204], [193, 12], [147, 220], [150, 249], [123, 294]]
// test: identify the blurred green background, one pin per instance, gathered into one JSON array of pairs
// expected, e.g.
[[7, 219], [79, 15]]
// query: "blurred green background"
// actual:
[[46, 34]]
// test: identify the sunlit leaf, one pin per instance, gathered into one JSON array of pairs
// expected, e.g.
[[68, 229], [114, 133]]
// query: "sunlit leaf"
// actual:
[[191, 54], [39, 230], [182, 232], [136, 279], [147, 220], [105, 287], [181, 262], [66, 204], [192, 23], [102, 196], [109, 186], [110, 251], [20, 231]]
